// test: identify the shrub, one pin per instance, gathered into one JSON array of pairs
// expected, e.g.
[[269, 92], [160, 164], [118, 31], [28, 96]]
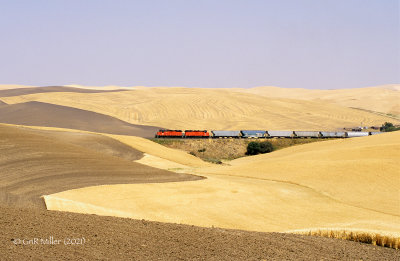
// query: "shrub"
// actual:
[[254, 148], [202, 150], [388, 126], [266, 147]]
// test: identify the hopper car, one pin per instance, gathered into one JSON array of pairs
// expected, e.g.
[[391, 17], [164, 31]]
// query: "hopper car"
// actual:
[[351, 134], [225, 134], [374, 132], [306, 134], [332, 134], [280, 134], [253, 133]]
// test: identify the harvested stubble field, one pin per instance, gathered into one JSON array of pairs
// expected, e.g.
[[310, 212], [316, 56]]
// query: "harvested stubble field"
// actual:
[[196, 108], [339, 184], [323, 184]]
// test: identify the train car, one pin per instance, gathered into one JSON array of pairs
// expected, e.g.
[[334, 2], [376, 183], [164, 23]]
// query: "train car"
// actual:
[[253, 133], [341, 134], [332, 134], [306, 134], [280, 134], [328, 134], [197, 134], [352, 134], [374, 132], [169, 134], [225, 134]]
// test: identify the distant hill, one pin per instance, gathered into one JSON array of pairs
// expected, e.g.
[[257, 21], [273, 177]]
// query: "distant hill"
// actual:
[[195, 108], [51, 115], [385, 98], [32, 90]]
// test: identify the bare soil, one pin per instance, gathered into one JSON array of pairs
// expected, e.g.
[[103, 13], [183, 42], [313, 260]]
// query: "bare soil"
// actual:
[[51, 115], [32, 90], [35, 163], [110, 238]]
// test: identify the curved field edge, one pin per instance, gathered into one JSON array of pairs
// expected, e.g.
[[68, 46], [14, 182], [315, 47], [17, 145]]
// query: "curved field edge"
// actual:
[[141, 144], [377, 238], [36, 162]]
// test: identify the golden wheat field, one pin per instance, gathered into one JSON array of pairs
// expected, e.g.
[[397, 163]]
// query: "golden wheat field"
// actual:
[[195, 108], [338, 185], [347, 184]]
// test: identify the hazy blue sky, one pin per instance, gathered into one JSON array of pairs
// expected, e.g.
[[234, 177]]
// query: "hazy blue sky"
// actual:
[[319, 44]]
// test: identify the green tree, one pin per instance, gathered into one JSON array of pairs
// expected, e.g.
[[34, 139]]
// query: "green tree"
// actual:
[[254, 148], [266, 147], [388, 126]]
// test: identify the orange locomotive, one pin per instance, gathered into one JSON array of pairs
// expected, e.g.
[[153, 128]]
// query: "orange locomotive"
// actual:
[[197, 134], [169, 134], [181, 134]]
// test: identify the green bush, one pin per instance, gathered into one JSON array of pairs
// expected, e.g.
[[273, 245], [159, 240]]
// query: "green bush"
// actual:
[[388, 126], [266, 147], [254, 148]]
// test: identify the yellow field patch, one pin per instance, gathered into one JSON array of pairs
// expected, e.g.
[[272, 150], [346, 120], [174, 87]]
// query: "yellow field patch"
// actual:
[[351, 184]]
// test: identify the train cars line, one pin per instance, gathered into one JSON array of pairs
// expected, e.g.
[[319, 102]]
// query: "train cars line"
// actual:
[[258, 134]]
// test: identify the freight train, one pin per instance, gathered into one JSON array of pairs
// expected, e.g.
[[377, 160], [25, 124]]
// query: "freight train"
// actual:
[[258, 134]]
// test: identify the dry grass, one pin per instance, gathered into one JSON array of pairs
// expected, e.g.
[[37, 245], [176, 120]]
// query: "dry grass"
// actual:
[[215, 150], [357, 236]]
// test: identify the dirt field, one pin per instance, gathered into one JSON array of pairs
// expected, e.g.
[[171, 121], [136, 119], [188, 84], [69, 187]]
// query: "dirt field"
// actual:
[[31, 90], [35, 163], [109, 238], [50, 115]]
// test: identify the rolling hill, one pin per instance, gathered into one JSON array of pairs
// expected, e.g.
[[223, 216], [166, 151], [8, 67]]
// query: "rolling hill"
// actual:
[[341, 184], [51, 115], [34, 163], [191, 108]]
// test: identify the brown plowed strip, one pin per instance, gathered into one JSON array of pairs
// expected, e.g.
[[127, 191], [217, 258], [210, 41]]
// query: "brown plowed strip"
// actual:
[[33, 163], [94, 142], [32, 90], [110, 238], [51, 115]]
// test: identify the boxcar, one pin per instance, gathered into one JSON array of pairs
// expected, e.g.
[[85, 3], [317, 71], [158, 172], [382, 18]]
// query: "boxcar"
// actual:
[[351, 134], [197, 134], [253, 133], [306, 134], [280, 134], [225, 134], [169, 134]]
